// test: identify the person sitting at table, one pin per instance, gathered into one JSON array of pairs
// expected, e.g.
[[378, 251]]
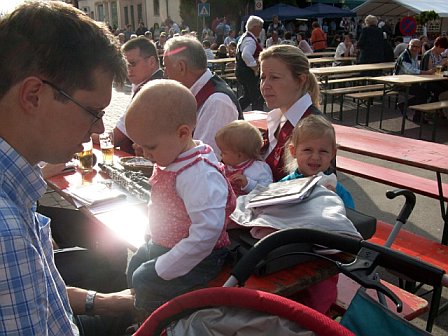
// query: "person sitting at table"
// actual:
[[431, 60], [400, 46], [273, 40], [407, 64], [344, 49], [302, 43], [208, 52], [143, 65], [185, 62], [221, 52], [191, 198], [292, 91], [240, 143], [46, 114], [231, 49], [311, 150]]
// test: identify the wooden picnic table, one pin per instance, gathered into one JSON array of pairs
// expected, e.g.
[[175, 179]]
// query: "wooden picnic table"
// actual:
[[404, 82], [320, 54], [421, 154], [324, 72], [129, 222], [330, 60], [221, 63]]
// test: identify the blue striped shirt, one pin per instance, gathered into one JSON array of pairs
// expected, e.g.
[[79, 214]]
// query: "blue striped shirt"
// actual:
[[33, 296]]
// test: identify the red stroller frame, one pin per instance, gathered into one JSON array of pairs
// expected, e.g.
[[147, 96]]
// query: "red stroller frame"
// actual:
[[244, 298]]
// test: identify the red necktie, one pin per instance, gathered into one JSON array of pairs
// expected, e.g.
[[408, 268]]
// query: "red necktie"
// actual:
[[275, 158]]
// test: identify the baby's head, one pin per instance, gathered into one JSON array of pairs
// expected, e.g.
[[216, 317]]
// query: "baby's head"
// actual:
[[161, 119], [239, 141], [312, 146]]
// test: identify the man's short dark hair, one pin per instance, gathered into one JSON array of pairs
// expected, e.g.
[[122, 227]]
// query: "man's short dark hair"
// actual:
[[58, 42], [147, 47]]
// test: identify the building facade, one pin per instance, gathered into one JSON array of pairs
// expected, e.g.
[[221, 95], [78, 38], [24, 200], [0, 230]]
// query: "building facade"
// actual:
[[120, 13]]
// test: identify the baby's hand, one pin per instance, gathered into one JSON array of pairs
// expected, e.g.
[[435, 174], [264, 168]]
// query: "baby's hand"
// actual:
[[239, 179]]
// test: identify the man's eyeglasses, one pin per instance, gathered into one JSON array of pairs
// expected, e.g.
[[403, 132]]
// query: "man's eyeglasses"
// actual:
[[97, 115]]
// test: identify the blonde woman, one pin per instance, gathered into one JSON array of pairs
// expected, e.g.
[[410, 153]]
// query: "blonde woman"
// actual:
[[292, 92]]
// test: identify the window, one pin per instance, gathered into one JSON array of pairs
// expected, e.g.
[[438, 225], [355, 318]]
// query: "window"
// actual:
[[139, 13], [126, 15], [156, 8]]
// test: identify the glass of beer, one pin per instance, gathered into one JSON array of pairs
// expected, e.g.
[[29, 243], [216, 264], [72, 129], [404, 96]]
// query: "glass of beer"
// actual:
[[107, 147], [85, 157], [439, 70]]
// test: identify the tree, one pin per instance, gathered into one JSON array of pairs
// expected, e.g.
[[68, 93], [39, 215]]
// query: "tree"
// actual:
[[424, 17]]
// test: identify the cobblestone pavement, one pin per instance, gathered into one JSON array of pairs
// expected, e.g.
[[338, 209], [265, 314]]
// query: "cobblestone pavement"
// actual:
[[369, 196]]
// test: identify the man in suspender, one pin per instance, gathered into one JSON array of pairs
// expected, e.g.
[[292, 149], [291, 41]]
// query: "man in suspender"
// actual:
[[185, 61], [247, 69]]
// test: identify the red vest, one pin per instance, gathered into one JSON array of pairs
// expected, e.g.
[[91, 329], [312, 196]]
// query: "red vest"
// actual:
[[276, 159]]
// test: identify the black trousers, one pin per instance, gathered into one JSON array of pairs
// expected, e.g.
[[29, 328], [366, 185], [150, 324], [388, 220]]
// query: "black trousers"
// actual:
[[251, 85]]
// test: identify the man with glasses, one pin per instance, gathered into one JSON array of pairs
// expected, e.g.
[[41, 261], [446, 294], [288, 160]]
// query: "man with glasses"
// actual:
[[57, 67], [407, 64], [143, 65]]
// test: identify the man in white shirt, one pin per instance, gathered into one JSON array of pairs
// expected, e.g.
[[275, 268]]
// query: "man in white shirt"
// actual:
[[247, 69], [273, 40], [344, 49], [185, 61]]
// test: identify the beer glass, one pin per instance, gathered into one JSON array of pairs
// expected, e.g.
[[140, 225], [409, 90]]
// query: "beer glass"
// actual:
[[439, 70], [85, 158], [107, 147]]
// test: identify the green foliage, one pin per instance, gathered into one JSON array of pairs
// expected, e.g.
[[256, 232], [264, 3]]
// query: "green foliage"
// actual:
[[426, 16]]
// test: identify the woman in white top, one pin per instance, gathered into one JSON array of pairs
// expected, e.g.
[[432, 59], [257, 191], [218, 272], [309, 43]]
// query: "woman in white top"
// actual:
[[302, 44]]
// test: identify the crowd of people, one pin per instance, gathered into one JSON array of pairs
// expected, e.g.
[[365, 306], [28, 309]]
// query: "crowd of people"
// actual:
[[187, 121]]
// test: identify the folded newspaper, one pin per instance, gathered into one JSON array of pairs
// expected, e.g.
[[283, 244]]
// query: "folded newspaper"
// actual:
[[292, 191], [95, 194]]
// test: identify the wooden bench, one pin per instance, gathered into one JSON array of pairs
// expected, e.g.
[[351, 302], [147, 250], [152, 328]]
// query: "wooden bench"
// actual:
[[411, 244], [344, 80], [435, 109], [344, 91], [416, 184], [366, 98]]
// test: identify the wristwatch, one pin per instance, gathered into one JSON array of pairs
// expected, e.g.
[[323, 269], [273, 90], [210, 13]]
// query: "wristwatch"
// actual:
[[90, 298]]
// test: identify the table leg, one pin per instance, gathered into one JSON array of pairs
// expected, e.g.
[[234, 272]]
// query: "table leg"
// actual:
[[443, 210], [405, 109]]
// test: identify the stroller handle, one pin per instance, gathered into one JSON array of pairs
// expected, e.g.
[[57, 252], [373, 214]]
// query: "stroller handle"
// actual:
[[408, 205], [245, 267], [406, 265]]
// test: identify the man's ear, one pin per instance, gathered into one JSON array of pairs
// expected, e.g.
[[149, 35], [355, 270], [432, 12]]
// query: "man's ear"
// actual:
[[29, 93], [182, 66]]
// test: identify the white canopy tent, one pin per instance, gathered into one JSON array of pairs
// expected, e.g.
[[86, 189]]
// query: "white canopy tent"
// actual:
[[401, 8]]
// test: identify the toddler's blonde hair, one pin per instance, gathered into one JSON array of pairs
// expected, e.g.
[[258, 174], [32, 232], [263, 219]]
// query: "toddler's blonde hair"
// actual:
[[241, 136]]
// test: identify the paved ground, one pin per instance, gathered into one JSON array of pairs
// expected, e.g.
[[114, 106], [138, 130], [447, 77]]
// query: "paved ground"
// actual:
[[369, 196]]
